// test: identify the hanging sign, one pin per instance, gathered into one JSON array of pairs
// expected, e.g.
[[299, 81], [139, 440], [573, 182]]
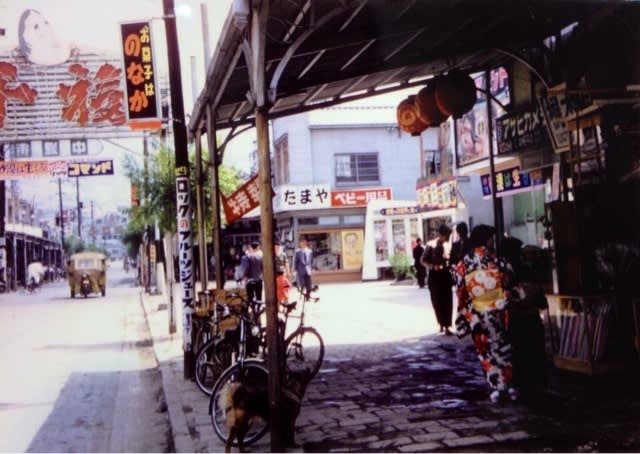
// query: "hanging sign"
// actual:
[[511, 181], [398, 211], [142, 95], [359, 197], [242, 201], [437, 194], [185, 252], [516, 131]]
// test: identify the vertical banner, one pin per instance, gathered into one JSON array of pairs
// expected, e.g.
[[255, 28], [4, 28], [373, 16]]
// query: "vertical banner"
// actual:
[[185, 253], [143, 99], [352, 241]]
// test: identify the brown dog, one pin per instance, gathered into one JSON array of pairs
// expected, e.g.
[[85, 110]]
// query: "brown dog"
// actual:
[[244, 403]]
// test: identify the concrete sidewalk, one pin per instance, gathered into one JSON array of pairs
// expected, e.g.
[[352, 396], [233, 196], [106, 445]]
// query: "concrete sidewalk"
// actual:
[[423, 393]]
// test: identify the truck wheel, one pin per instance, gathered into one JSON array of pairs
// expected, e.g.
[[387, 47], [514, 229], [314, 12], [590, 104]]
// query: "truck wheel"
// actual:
[[103, 290]]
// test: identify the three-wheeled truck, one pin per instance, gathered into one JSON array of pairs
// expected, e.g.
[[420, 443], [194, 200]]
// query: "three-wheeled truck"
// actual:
[[87, 273]]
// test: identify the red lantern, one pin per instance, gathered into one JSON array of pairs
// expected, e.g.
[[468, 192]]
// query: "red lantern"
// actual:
[[426, 106], [408, 119], [455, 94]]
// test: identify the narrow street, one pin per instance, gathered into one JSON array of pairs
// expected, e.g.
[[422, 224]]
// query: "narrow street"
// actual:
[[79, 375]]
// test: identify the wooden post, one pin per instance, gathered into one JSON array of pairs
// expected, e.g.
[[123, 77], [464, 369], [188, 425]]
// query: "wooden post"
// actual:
[[214, 167], [260, 14], [202, 239]]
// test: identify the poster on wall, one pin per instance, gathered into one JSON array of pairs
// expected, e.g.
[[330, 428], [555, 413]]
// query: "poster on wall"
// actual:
[[437, 194], [382, 245], [472, 130], [61, 74], [352, 244]]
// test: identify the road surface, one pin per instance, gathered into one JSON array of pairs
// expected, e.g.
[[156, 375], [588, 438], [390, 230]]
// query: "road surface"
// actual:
[[79, 375]]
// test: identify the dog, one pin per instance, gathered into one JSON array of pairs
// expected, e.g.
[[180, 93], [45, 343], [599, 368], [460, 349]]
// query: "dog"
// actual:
[[244, 403]]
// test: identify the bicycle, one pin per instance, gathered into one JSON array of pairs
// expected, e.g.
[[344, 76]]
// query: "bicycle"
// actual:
[[304, 347], [218, 353], [250, 372]]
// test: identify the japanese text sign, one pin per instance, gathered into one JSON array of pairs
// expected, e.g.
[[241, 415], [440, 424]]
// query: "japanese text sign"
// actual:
[[511, 181], [140, 77], [243, 200], [519, 130], [359, 197], [302, 197], [437, 194], [90, 169], [13, 170]]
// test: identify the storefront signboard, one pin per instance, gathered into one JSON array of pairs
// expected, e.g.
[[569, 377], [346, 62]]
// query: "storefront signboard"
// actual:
[[511, 181], [352, 244], [359, 197], [398, 211], [437, 194], [302, 197], [91, 169], [520, 130]]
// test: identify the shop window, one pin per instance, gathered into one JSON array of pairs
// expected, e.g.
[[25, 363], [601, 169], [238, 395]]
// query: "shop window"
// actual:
[[399, 237], [329, 220], [358, 219], [308, 221], [357, 168], [380, 234], [336, 250]]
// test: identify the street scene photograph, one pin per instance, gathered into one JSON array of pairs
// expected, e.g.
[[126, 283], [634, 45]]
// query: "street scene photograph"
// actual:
[[319, 226]]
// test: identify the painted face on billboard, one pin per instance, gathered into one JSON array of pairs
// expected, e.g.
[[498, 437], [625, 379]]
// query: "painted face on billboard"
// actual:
[[38, 40]]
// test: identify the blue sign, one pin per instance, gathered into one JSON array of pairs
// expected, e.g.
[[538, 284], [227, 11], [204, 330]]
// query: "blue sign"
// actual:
[[511, 181]]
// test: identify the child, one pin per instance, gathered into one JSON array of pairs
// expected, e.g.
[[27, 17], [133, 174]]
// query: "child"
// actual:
[[282, 286]]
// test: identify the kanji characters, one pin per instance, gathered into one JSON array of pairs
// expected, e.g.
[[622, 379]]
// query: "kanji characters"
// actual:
[[22, 92]]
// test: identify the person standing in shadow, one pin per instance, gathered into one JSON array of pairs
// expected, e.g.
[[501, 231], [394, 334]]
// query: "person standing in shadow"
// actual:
[[440, 280], [421, 271]]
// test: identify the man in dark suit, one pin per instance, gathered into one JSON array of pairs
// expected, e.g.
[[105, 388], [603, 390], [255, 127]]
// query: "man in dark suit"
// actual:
[[302, 261], [461, 247], [421, 271]]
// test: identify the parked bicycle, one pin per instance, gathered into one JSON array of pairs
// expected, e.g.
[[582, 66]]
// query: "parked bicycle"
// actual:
[[241, 337]]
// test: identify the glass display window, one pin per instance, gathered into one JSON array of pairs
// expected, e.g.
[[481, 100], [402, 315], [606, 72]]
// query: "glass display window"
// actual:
[[399, 236], [380, 235]]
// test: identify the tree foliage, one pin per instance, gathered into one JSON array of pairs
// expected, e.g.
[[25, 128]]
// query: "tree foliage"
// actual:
[[158, 197]]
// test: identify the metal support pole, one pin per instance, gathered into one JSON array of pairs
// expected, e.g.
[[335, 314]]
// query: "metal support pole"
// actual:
[[3, 241], [145, 202], [498, 219], [215, 196], [185, 246]]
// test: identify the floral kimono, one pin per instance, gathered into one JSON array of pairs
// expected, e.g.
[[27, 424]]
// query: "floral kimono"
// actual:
[[483, 285]]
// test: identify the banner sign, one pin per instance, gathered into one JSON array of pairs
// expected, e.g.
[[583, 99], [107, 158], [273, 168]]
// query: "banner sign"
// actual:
[[140, 75], [17, 170], [185, 252], [359, 197], [90, 169], [512, 181], [519, 130], [242, 201], [302, 197], [398, 211], [437, 194]]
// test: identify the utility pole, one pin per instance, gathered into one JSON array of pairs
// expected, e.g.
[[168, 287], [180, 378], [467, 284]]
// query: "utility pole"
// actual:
[[61, 213], [183, 193], [145, 201], [79, 207]]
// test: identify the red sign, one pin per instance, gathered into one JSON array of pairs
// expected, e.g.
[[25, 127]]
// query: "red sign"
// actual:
[[243, 200], [359, 197]]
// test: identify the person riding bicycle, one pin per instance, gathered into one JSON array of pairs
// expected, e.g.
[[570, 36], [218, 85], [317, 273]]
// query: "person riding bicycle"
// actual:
[[251, 266]]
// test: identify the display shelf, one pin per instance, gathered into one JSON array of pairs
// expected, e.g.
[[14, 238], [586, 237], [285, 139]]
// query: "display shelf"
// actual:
[[580, 327]]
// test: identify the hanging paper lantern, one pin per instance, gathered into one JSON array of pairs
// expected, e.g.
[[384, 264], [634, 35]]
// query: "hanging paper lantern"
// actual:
[[455, 94], [408, 120], [426, 106]]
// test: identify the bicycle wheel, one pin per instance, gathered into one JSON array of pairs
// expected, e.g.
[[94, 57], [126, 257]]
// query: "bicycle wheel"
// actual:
[[212, 359], [304, 351], [254, 375]]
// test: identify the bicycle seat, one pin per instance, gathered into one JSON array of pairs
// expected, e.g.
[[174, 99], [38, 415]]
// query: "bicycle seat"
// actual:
[[290, 306]]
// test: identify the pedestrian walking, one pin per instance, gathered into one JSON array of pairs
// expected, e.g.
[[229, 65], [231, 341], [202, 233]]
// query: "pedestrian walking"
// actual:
[[484, 287], [421, 271], [439, 281], [251, 265], [302, 266], [462, 246]]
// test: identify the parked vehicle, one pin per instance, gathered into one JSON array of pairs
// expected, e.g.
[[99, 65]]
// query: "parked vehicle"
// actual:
[[87, 273]]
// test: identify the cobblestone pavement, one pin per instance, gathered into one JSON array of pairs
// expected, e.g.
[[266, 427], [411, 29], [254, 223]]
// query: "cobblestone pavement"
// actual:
[[417, 395]]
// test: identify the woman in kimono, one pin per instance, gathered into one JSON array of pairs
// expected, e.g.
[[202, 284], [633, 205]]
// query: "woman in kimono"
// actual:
[[484, 285]]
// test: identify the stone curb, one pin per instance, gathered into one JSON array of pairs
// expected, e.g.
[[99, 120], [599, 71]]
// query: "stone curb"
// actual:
[[182, 441]]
